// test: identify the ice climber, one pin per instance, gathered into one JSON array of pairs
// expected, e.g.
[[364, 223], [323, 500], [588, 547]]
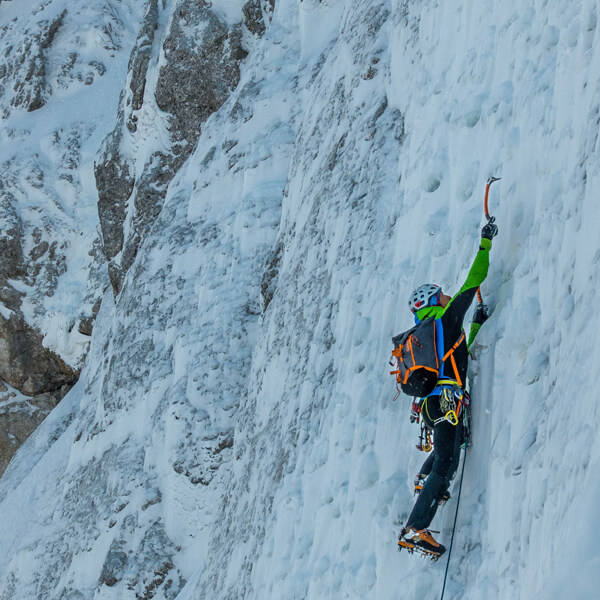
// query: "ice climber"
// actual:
[[433, 481]]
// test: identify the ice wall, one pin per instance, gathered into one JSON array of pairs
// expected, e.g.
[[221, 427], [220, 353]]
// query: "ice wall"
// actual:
[[234, 435]]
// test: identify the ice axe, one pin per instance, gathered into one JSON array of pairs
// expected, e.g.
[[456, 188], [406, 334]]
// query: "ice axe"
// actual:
[[487, 193], [487, 216]]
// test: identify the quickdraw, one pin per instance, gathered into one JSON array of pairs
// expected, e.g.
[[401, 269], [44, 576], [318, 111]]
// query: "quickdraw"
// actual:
[[425, 442]]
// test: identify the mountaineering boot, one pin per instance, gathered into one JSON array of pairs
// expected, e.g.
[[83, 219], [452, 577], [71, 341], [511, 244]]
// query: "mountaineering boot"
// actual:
[[421, 541], [424, 540]]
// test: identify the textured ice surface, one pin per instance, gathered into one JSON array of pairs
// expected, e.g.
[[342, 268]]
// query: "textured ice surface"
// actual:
[[227, 444]]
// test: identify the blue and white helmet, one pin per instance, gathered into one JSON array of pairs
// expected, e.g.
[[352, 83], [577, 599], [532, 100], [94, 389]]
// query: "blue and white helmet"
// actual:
[[422, 295]]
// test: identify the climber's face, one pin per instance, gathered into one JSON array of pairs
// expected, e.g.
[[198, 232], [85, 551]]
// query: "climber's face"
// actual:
[[444, 300]]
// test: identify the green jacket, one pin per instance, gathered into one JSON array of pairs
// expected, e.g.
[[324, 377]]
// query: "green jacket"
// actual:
[[454, 313]]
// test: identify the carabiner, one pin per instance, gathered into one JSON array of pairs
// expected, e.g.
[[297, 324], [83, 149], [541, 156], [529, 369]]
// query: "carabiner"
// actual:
[[451, 417]]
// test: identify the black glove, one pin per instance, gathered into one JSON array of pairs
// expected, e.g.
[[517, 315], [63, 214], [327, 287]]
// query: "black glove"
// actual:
[[490, 229], [481, 314]]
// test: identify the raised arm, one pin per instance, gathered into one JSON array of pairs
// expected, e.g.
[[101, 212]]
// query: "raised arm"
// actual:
[[455, 311]]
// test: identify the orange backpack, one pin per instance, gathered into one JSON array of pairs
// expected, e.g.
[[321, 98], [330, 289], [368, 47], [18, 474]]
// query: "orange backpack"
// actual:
[[419, 354]]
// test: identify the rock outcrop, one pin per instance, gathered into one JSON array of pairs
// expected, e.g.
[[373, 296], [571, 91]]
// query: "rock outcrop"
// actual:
[[198, 67], [20, 416], [26, 67], [26, 364], [184, 64]]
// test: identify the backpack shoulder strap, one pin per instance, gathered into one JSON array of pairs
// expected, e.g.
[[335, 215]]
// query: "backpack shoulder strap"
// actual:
[[439, 342], [456, 345], [452, 360]]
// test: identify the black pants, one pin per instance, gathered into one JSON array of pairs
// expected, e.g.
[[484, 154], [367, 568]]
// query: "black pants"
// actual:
[[440, 467]]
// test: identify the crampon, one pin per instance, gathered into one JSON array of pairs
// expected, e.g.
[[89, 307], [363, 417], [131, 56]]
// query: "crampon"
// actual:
[[420, 546]]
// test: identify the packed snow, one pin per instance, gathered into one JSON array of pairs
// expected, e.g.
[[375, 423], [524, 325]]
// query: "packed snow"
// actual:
[[233, 433]]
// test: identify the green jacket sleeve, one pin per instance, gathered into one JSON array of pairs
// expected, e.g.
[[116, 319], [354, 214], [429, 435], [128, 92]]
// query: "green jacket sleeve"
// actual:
[[475, 327], [477, 275], [480, 266], [460, 302]]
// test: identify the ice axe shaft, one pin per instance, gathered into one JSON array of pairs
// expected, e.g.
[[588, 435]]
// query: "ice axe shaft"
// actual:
[[487, 216], [487, 193]]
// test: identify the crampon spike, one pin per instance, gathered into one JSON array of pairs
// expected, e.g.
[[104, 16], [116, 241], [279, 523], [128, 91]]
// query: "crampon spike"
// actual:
[[413, 549]]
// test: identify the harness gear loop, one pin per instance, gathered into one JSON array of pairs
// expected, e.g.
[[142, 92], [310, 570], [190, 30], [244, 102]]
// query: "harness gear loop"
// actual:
[[451, 382], [451, 401]]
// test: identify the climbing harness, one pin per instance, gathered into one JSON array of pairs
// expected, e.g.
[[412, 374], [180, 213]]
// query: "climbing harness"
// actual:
[[452, 400]]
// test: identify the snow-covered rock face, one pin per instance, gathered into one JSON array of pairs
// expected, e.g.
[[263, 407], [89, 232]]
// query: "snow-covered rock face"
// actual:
[[183, 67], [233, 433], [19, 416], [61, 71]]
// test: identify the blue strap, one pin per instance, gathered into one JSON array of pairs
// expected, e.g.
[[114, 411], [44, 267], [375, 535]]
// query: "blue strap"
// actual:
[[439, 342]]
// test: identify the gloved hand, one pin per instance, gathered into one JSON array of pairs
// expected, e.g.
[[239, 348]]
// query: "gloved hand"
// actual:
[[490, 229], [481, 314]]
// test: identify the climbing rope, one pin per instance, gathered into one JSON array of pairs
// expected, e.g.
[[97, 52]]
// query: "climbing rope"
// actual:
[[480, 299], [455, 519]]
